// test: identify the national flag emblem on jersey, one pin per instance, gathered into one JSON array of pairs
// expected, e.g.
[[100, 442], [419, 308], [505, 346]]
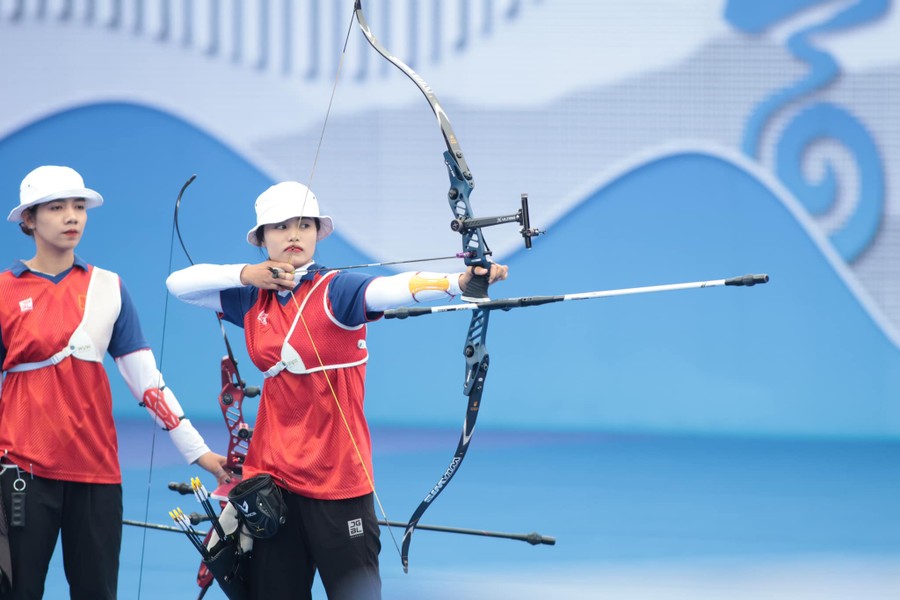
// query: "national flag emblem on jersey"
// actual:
[[26, 305]]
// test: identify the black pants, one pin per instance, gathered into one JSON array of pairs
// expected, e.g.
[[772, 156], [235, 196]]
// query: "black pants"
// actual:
[[89, 516], [340, 538]]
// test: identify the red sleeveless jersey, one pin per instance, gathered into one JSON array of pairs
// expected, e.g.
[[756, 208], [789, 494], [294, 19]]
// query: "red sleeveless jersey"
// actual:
[[57, 420], [300, 437]]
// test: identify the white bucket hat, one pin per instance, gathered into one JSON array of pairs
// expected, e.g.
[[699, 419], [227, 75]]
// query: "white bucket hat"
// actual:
[[288, 200], [49, 183]]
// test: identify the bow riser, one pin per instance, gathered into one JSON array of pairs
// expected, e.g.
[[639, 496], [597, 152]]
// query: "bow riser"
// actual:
[[474, 247], [476, 353], [231, 401]]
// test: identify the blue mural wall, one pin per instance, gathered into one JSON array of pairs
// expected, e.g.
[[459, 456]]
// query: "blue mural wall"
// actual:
[[657, 146]]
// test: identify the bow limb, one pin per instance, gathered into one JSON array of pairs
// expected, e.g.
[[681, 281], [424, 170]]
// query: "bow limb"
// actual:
[[477, 362], [443, 120], [234, 389], [476, 254], [475, 250]]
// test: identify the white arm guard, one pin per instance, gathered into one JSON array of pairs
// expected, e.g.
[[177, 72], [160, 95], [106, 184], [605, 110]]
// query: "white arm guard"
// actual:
[[146, 383], [200, 284], [411, 287]]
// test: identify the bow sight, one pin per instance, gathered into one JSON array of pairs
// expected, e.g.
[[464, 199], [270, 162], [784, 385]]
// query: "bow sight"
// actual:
[[474, 247], [466, 225]]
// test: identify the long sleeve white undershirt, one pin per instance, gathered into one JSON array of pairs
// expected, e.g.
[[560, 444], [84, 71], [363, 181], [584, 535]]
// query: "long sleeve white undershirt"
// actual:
[[140, 373], [200, 285]]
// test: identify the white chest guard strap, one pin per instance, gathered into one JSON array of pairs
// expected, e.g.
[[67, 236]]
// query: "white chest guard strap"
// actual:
[[290, 358], [91, 338]]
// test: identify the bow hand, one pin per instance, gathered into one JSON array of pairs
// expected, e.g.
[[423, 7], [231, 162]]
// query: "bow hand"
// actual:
[[215, 464], [479, 278]]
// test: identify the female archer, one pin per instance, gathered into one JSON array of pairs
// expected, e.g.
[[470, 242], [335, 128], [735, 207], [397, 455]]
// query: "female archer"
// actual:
[[305, 329], [59, 317]]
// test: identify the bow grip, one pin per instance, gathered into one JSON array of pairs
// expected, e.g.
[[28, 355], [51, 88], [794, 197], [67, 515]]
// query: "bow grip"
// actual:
[[477, 288]]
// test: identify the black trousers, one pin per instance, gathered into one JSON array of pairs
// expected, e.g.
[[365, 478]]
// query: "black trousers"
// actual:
[[339, 538], [89, 517]]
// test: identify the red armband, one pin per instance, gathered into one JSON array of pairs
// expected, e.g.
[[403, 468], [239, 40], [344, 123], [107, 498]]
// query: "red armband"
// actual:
[[155, 400]]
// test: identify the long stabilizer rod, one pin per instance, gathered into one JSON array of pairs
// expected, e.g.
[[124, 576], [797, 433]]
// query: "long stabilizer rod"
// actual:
[[510, 303], [533, 538]]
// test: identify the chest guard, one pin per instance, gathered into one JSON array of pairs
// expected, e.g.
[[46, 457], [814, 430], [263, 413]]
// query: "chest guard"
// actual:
[[91, 337], [315, 339]]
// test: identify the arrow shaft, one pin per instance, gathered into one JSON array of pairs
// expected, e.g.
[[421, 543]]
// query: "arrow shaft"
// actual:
[[157, 526], [394, 262]]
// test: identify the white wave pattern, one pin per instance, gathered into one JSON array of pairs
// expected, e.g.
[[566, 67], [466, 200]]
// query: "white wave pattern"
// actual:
[[775, 186]]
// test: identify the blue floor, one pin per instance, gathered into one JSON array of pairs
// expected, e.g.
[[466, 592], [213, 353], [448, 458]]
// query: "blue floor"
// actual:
[[635, 517]]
